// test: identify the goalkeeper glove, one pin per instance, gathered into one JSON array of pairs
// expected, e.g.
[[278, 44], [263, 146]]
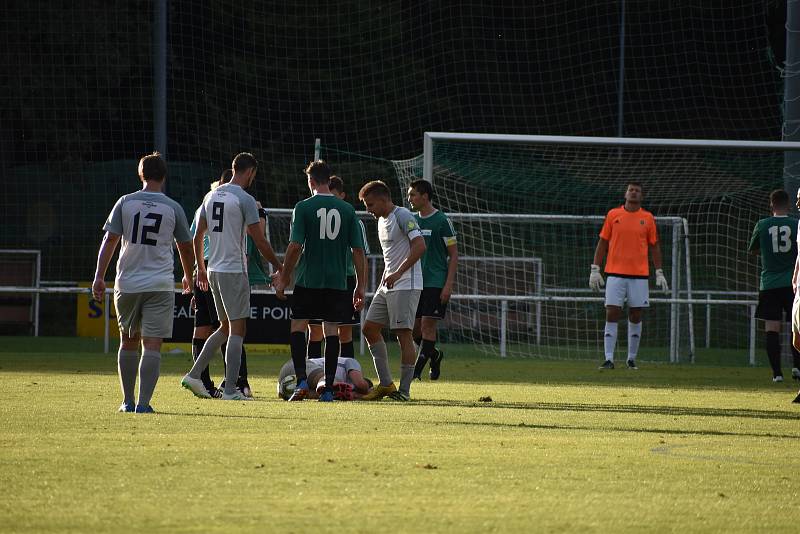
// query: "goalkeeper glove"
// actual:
[[595, 278], [661, 281]]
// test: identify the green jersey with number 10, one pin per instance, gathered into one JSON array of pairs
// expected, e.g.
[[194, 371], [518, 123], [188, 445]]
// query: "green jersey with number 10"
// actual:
[[776, 238], [327, 228]]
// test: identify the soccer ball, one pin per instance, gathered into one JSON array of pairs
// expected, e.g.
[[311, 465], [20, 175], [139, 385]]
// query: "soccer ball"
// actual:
[[286, 387]]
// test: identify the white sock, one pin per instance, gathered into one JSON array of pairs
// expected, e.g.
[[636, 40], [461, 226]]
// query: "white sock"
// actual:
[[610, 340], [634, 337]]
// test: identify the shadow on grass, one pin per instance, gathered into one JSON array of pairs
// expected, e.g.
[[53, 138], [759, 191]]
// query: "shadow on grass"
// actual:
[[629, 408], [663, 431]]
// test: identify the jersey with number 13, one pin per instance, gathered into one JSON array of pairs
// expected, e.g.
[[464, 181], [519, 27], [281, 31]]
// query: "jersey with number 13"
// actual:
[[327, 228], [776, 238]]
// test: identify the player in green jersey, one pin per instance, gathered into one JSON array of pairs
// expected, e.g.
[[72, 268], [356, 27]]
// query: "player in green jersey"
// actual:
[[315, 334], [439, 265], [775, 238], [324, 230]]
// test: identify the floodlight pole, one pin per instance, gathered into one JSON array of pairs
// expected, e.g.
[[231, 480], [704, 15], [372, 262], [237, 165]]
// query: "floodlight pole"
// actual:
[[160, 76], [791, 98]]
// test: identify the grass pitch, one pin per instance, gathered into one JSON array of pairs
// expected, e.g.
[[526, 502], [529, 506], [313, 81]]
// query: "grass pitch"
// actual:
[[559, 447]]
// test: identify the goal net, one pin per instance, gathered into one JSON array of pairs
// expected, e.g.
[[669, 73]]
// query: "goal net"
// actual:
[[528, 210]]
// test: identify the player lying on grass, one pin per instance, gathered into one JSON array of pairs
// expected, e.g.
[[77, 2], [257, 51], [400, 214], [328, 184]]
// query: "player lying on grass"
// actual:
[[349, 383]]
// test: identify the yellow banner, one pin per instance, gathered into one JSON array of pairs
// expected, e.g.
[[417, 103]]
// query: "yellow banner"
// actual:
[[89, 315]]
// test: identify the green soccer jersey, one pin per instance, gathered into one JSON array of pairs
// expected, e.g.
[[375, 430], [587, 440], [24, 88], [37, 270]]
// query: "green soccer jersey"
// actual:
[[256, 274], [776, 239], [351, 269], [327, 228], [439, 233]]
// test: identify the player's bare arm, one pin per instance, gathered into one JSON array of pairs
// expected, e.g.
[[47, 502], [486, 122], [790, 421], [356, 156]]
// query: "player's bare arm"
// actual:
[[200, 231], [284, 277], [107, 247], [186, 254], [417, 250], [256, 231], [595, 278], [655, 254], [360, 264], [452, 267]]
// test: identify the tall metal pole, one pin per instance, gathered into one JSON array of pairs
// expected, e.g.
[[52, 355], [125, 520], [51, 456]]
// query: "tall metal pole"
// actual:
[[621, 81], [160, 76], [791, 98]]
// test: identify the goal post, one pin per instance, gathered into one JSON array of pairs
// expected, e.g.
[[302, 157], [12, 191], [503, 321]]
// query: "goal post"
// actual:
[[717, 189]]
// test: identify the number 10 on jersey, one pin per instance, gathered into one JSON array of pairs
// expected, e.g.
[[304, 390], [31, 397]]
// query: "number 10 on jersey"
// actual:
[[330, 222]]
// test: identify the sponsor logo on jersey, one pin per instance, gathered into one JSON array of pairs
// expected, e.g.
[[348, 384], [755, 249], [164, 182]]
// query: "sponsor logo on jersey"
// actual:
[[426, 232], [149, 204]]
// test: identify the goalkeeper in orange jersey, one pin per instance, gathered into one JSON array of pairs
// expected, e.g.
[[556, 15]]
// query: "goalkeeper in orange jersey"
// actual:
[[627, 238]]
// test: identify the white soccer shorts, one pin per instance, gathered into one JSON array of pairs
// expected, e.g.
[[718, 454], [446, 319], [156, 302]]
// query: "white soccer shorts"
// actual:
[[634, 290]]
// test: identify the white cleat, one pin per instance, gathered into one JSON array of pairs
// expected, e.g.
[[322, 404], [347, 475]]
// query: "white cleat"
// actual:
[[778, 378], [196, 386], [236, 396], [796, 373]]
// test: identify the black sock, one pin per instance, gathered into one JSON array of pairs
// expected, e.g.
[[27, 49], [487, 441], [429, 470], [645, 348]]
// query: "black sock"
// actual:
[[224, 365], [315, 349], [243, 369], [297, 343], [774, 352], [795, 358], [347, 350], [331, 360], [418, 341], [428, 348], [197, 346]]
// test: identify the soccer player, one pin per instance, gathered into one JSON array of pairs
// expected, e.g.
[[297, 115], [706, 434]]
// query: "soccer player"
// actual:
[[439, 265], [349, 383], [205, 314], [315, 334], [147, 222], [395, 302], [324, 229], [228, 213], [775, 239], [628, 234]]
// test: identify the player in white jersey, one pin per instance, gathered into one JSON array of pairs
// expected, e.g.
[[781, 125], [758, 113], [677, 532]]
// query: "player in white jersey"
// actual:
[[395, 302], [228, 213], [147, 222], [349, 382]]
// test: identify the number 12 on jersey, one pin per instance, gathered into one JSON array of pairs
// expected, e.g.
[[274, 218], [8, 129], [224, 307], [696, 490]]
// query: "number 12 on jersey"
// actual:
[[330, 222]]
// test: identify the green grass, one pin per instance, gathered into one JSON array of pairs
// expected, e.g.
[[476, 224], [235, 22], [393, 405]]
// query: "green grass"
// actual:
[[561, 447]]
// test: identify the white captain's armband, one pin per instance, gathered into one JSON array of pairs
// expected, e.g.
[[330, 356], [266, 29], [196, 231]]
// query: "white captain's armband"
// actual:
[[449, 240]]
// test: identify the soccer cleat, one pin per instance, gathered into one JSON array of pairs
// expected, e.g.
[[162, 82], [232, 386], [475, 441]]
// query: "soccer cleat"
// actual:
[[379, 392], [144, 409], [797, 398], [631, 364], [422, 361], [235, 396], [436, 365], [196, 386], [777, 378], [399, 396], [608, 364], [327, 396], [796, 373], [127, 407], [300, 392], [244, 386]]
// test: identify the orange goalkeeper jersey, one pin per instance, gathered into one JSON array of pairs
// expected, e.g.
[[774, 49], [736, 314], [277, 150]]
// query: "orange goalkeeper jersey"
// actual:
[[630, 235]]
